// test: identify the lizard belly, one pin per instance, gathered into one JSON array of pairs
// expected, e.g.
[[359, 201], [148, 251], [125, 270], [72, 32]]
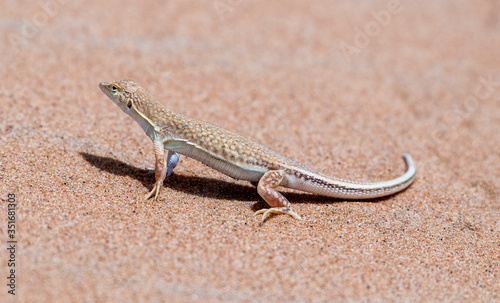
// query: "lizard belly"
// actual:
[[227, 167]]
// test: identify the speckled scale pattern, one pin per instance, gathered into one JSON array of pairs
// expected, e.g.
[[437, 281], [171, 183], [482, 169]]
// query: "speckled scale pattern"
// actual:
[[220, 141], [228, 144]]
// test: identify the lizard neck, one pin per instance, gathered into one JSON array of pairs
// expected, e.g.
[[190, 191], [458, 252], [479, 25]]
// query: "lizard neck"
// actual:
[[157, 121]]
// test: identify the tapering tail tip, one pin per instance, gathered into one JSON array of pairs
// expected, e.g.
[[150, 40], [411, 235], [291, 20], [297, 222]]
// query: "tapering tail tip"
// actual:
[[410, 168]]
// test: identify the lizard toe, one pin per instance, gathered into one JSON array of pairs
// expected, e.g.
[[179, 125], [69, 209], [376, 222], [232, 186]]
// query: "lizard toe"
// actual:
[[276, 210]]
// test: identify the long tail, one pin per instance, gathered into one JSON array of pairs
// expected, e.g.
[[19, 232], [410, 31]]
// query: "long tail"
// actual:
[[338, 188]]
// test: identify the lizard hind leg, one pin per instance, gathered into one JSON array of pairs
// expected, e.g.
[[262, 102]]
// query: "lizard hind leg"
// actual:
[[266, 189]]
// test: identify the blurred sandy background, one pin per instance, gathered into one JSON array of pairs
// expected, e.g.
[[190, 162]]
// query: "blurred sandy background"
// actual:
[[345, 87]]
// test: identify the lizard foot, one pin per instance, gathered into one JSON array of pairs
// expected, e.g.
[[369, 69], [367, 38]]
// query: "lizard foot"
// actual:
[[155, 192], [276, 210]]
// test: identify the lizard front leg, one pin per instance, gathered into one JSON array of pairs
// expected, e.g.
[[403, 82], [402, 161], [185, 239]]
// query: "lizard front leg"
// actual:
[[161, 168], [266, 189]]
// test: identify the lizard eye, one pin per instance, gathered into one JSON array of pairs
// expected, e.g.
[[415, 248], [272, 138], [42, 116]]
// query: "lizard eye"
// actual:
[[114, 88]]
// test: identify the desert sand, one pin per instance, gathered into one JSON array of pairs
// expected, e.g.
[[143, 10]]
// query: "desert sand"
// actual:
[[345, 88]]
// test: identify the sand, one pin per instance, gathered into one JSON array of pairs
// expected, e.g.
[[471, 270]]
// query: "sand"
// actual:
[[344, 88]]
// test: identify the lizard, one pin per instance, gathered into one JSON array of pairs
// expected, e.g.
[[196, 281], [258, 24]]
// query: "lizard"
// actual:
[[235, 155]]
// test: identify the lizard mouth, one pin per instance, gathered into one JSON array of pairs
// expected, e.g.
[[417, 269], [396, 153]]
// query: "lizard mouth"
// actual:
[[115, 97], [104, 86]]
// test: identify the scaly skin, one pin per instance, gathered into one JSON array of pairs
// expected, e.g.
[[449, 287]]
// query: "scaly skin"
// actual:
[[235, 155]]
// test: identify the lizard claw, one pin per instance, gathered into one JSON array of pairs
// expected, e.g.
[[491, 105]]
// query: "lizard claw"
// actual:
[[276, 210], [154, 192]]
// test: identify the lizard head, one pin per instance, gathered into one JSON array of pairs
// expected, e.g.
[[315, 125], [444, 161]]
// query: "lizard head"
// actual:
[[134, 100], [121, 92]]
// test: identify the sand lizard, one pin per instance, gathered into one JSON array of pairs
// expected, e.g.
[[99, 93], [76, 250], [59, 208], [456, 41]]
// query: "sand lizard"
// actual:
[[235, 155]]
